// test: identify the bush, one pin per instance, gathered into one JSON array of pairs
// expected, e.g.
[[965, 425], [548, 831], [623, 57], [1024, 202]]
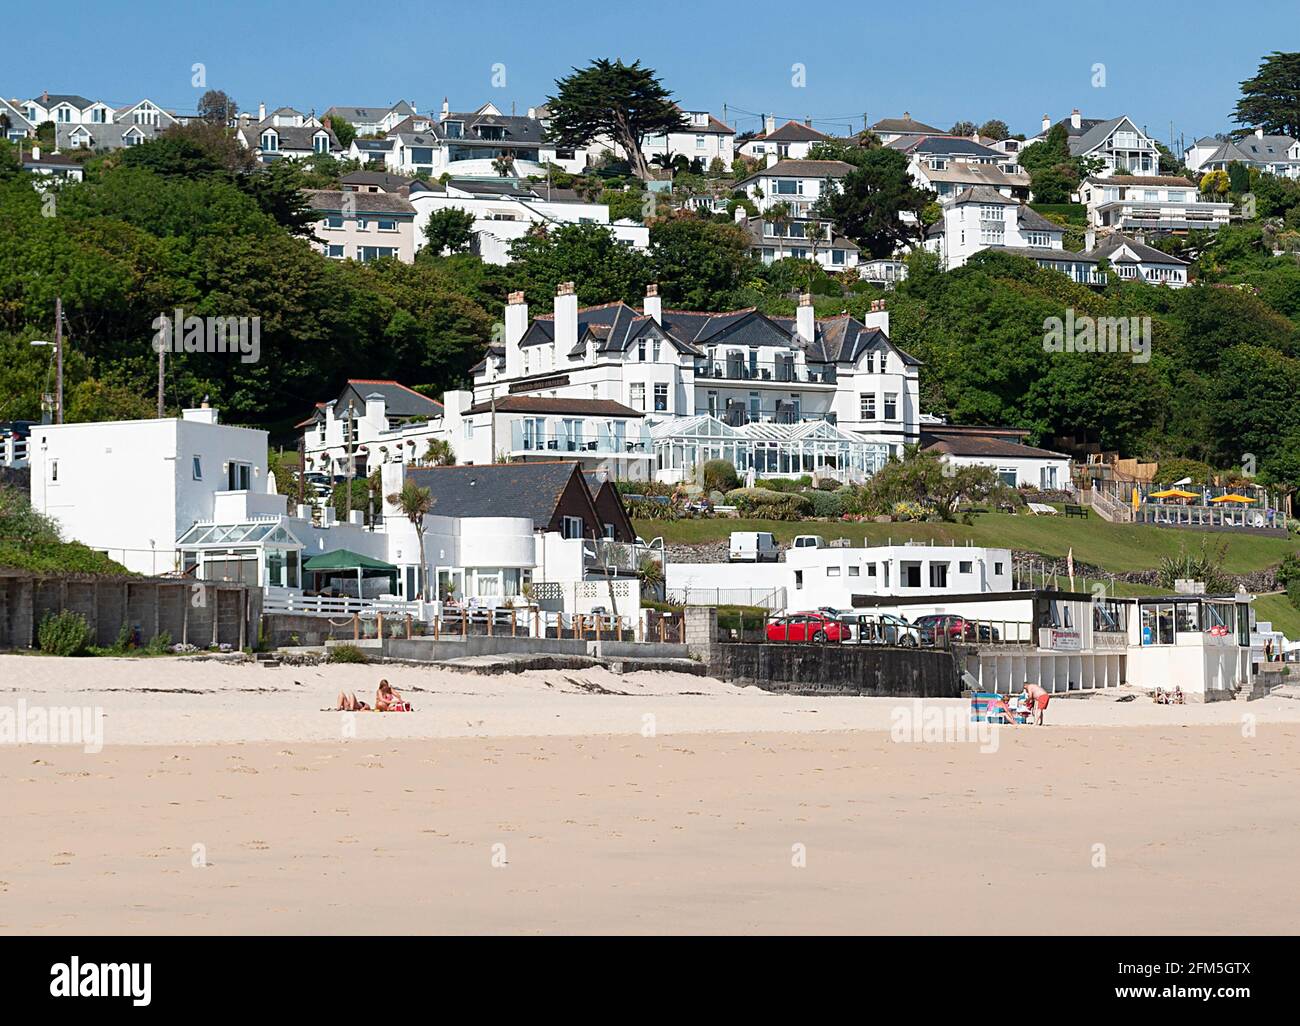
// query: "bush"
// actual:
[[720, 476], [734, 618], [347, 654], [826, 504], [63, 634], [766, 504]]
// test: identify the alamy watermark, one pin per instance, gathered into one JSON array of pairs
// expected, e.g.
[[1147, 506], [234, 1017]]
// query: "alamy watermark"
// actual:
[[1084, 334], [176, 333], [53, 725], [919, 723]]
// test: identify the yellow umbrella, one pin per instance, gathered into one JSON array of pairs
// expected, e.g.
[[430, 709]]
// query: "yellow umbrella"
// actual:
[[1232, 497], [1173, 493]]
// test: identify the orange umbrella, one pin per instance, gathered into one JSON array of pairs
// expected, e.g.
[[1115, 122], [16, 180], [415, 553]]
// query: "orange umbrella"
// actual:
[[1173, 493], [1232, 497]]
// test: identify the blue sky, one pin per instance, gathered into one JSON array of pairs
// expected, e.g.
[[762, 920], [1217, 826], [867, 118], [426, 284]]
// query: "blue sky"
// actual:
[[942, 61]]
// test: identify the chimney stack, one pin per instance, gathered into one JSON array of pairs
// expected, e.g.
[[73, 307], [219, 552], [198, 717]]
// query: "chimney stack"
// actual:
[[1076, 120], [516, 318], [878, 318], [566, 321], [907, 115], [1047, 124], [653, 306], [769, 124], [807, 122], [806, 320], [446, 109], [261, 112], [1089, 240], [1259, 133]]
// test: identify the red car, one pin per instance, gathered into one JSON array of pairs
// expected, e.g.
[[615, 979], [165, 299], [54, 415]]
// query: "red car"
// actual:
[[806, 627]]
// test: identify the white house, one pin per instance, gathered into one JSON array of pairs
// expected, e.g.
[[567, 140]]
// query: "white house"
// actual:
[[114, 136], [981, 217], [372, 420], [286, 134], [798, 183], [53, 165], [373, 120], [66, 109], [791, 141], [363, 226], [1118, 143], [937, 152], [1150, 203], [890, 130], [948, 178], [131, 488], [505, 210], [799, 239], [846, 577], [1016, 464], [759, 377], [146, 112], [1272, 154]]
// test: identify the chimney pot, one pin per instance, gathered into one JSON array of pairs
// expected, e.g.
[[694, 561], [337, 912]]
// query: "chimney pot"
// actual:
[[652, 290], [907, 115], [565, 288], [515, 297], [805, 299]]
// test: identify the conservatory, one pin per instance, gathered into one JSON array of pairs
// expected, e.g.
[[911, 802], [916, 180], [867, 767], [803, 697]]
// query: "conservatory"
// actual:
[[818, 448], [260, 552]]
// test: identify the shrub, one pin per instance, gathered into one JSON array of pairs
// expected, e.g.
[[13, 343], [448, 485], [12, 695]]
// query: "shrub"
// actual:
[[63, 634], [720, 476], [1288, 570], [826, 504], [766, 504], [734, 618], [1293, 593], [650, 509], [347, 654]]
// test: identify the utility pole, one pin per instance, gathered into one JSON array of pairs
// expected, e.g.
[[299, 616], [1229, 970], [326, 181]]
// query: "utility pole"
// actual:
[[58, 358], [162, 356], [302, 466]]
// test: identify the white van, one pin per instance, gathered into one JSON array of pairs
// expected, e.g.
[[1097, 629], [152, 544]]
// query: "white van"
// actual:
[[753, 547], [809, 541]]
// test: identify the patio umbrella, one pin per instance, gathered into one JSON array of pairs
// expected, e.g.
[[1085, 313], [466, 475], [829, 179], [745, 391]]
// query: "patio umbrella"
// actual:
[[1173, 493], [1232, 497]]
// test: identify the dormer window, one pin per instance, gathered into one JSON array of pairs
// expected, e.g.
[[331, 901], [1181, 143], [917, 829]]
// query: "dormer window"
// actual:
[[322, 143], [270, 141], [454, 129]]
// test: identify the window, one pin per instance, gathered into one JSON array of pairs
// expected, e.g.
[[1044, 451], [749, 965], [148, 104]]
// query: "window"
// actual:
[[855, 571], [270, 142], [871, 569], [1039, 240], [334, 221], [239, 476], [571, 527], [1008, 476], [997, 569], [654, 351], [640, 350], [789, 187], [1158, 624], [322, 143], [837, 257], [798, 580], [832, 571], [891, 406], [661, 397], [867, 406], [871, 362], [965, 566], [196, 467], [54, 471], [993, 235], [699, 142], [367, 253], [388, 226], [938, 575], [637, 401], [334, 251]]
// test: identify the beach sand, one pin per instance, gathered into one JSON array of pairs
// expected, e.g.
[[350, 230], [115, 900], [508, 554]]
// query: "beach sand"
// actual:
[[224, 801]]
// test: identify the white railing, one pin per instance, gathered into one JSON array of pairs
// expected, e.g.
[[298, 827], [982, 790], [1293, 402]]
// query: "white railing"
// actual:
[[336, 605]]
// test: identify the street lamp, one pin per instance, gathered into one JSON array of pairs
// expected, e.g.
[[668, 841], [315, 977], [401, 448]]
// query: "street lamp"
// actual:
[[58, 357]]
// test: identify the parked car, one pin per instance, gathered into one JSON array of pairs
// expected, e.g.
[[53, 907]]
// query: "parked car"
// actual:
[[942, 628], [753, 547], [809, 541], [807, 627], [881, 629]]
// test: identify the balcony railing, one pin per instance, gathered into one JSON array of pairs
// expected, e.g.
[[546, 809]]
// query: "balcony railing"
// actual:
[[781, 373], [597, 443], [739, 416]]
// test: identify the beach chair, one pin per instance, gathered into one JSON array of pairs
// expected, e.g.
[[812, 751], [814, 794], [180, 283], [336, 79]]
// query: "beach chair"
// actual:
[[990, 707]]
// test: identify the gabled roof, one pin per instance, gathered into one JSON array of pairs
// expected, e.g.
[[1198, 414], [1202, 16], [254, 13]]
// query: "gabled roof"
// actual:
[[904, 126], [792, 131], [801, 169], [368, 115], [1176, 181], [716, 126], [1253, 149], [984, 194], [102, 137], [51, 100], [1106, 249], [1092, 132], [399, 401], [292, 137], [946, 145], [333, 201], [1032, 221], [386, 181], [959, 172], [17, 118], [529, 490]]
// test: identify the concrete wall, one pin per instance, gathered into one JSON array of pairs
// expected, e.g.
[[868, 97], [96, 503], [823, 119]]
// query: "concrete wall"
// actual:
[[183, 610], [426, 649], [838, 670]]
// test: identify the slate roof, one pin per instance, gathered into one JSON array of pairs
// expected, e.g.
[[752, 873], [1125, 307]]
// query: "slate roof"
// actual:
[[368, 115], [959, 172], [530, 490], [292, 137], [386, 181], [332, 201], [801, 169], [905, 126], [399, 401], [1173, 180], [1032, 221], [1253, 149], [102, 137], [557, 405], [792, 131], [961, 440], [946, 144]]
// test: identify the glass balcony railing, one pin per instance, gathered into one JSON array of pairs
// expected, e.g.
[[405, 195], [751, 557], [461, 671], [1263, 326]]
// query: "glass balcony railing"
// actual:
[[781, 373], [600, 443]]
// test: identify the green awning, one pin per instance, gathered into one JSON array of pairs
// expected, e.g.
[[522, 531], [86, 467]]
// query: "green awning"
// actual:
[[346, 559]]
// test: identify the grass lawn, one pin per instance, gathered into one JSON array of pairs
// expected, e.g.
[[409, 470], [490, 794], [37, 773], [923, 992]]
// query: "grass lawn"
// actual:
[[1278, 609], [1116, 547]]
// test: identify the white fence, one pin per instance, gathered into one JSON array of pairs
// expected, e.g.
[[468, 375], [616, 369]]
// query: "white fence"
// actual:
[[768, 598], [336, 605]]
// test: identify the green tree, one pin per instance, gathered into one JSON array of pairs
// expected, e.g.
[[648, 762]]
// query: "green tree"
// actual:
[[216, 108], [603, 268], [624, 102], [995, 129], [698, 263], [963, 128], [344, 131], [1052, 185], [869, 199], [1270, 99], [450, 230], [415, 503]]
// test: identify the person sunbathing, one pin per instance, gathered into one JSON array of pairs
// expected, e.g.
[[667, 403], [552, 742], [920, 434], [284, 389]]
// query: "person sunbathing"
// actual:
[[347, 702], [388, 700]]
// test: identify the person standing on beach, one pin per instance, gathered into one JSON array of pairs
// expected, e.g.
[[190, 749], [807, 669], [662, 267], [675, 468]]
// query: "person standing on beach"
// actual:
[[1038, 699]]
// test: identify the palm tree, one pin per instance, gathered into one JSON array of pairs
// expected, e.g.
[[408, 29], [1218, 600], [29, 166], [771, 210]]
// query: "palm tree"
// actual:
[[415, 502], [439, 452]]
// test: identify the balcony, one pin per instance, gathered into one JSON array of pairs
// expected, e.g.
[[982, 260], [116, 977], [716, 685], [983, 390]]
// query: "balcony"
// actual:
[[738, 415], [780, 374], [524, 442]]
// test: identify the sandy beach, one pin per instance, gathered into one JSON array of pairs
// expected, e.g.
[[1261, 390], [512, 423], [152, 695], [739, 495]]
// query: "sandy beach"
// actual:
[[225, 801]]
